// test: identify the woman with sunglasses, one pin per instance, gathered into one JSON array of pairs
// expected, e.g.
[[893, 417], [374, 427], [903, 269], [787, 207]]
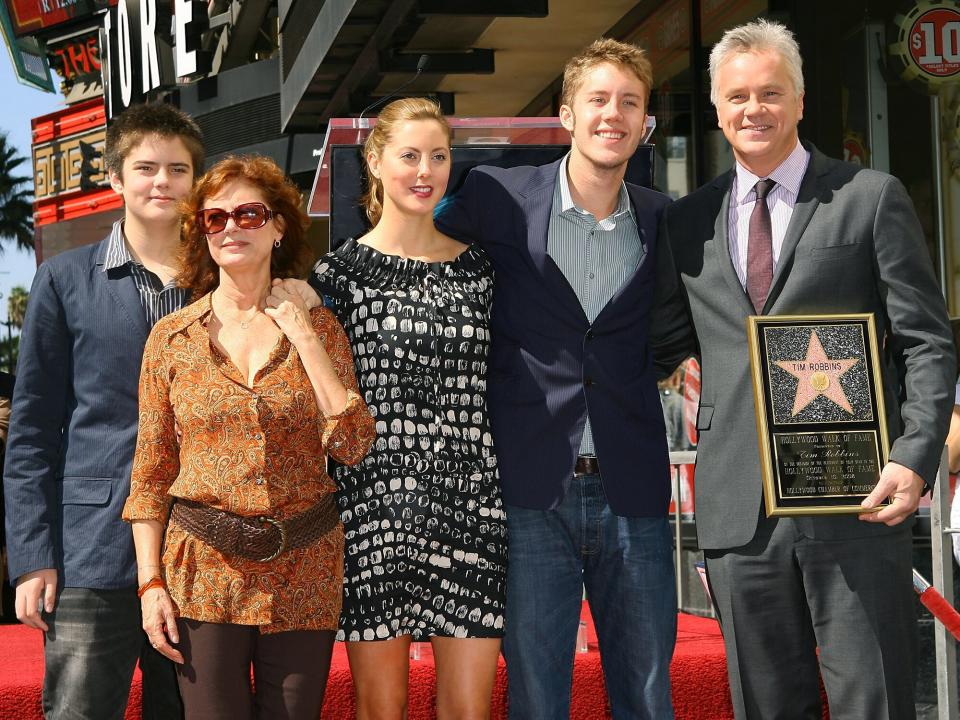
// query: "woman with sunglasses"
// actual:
[[241, 399], [423, 521]]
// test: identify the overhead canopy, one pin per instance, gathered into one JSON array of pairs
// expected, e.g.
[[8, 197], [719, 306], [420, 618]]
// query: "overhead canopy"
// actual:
[[487, 57]]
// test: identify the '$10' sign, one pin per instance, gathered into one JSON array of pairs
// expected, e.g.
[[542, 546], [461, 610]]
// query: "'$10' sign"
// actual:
[[935, 42]]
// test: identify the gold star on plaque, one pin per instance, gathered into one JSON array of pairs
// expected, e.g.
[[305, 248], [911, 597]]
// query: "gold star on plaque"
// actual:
[[818, 375]]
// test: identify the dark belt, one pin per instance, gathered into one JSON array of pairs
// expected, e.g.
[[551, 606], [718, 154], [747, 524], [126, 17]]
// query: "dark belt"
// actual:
[[586, 465], [260, 537]]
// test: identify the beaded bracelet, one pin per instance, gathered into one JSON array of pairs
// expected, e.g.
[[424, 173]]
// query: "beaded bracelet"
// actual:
[[155, 582]]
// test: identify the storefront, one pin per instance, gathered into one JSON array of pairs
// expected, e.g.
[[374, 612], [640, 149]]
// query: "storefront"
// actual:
[[882, 76], [868, 99]]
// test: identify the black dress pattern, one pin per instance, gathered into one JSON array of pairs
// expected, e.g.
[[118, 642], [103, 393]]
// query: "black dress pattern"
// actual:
[[424, 525]]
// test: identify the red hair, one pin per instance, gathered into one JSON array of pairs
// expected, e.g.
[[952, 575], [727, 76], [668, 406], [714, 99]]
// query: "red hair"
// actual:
[[198, 271]]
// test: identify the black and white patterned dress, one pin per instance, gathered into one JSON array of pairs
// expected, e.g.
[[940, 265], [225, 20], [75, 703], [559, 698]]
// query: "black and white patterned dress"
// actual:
[[424, 526]]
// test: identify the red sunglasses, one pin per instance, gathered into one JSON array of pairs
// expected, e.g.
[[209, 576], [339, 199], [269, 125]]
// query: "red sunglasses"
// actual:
[[248, 216]]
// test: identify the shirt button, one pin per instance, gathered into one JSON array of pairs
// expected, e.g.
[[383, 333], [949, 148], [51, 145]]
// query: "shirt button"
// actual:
[[259, 481], [257, 436], [592, 276]]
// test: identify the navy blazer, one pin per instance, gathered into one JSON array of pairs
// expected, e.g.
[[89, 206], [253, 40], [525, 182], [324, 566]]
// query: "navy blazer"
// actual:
[[73, 426], [548, 364]]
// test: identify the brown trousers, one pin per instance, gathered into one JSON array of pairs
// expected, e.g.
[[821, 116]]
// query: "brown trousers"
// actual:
[[289, 672]]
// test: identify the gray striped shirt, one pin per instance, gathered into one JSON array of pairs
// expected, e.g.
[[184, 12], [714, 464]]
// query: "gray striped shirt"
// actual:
[[596, 257], [781, 201], [157, 299]]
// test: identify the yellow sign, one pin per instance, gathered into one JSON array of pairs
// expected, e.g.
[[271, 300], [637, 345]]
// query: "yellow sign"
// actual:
[[57, 164]]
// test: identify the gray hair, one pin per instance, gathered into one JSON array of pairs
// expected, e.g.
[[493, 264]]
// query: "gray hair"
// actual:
[[759, 36]]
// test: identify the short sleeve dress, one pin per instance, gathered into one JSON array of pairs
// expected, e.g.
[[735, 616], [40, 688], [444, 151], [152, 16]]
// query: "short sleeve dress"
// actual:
[[424, 525]]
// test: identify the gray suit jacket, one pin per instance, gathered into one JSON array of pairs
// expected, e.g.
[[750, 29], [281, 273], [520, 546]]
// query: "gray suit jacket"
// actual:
[[855, 245]]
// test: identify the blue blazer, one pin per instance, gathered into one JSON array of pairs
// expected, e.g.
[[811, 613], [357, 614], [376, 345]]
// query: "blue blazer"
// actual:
[[548, 364], [73, 425]]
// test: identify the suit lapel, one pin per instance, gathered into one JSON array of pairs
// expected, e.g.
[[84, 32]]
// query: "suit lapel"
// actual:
[[808, 199], [537, 204], [721, 242], [124, 292]]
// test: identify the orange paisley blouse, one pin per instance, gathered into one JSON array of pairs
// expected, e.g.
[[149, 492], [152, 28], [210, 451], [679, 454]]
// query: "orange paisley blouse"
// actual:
[[207, 437]]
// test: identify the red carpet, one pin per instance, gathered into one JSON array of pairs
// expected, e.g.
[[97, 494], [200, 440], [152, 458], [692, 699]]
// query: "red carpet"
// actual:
[[698, 674]]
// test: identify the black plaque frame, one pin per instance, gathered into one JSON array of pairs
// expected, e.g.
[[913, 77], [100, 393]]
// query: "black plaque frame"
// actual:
[[821, 455]]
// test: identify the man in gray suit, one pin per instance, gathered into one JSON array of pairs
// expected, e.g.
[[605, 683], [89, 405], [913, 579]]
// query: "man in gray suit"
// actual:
[[824, 237]]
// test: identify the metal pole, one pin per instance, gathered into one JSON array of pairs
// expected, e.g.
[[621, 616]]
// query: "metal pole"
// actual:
[[678, 458], [12, 369], [938, 192], [677, 534], [945, 647]]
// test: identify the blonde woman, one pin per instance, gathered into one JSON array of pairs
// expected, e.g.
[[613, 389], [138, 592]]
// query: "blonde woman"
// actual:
[[425, 538]]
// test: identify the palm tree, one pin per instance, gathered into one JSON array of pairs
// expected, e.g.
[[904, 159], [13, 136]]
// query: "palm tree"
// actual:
[[17, 305], [16, 209]]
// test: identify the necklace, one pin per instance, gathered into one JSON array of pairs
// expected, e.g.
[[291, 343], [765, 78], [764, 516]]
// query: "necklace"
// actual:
[[244, 322]]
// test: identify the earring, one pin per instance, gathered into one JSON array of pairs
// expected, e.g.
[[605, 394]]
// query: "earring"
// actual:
[[276, 243]]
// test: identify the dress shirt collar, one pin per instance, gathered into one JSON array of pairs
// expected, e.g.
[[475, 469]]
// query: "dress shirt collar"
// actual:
[[567, 205], [788, 174], [191, 319], [118, 254]]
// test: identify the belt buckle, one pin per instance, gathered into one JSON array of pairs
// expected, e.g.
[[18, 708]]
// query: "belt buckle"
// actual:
[[267, 521]]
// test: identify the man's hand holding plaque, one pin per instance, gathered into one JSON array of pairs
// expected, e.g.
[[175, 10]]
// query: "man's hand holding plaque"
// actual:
[[820, 417], [902, 486]]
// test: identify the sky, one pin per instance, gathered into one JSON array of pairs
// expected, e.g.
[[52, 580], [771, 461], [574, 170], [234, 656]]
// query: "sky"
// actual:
[[20, 104]]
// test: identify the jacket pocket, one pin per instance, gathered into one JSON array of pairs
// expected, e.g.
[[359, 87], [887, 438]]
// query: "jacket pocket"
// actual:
[[704, 417], [86, 490], [832, 252]]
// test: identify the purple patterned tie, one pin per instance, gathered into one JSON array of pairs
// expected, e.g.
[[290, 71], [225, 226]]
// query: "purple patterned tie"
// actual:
[[760, 247]]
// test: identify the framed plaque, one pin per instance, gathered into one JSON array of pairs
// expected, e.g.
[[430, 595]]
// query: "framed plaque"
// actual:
[[819, 408]]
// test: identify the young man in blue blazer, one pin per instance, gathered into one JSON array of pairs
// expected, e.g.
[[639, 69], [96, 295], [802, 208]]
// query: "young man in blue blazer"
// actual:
[[585, 297], [74, 427]]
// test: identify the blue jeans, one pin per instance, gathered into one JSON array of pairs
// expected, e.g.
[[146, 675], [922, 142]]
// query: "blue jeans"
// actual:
[[626, 565]]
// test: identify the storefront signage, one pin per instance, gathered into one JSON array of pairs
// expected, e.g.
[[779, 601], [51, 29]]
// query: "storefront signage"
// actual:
[[141, 55], [76, 57], [69, 164], [928, 44], [35, 16], [68, 151], [68, 173]]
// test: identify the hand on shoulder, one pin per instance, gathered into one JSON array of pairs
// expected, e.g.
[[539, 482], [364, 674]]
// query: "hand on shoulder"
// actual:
[[287, 308], [284, 289]]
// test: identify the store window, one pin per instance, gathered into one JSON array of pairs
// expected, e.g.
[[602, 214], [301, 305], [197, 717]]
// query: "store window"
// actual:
[[859, 107], [665, 35]]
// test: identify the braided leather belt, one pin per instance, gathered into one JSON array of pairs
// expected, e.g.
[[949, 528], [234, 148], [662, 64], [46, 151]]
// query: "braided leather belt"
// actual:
[[258, 538]]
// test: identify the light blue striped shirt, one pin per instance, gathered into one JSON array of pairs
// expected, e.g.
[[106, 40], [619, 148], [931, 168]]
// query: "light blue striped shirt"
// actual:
[[596, 257], [780, 201]]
